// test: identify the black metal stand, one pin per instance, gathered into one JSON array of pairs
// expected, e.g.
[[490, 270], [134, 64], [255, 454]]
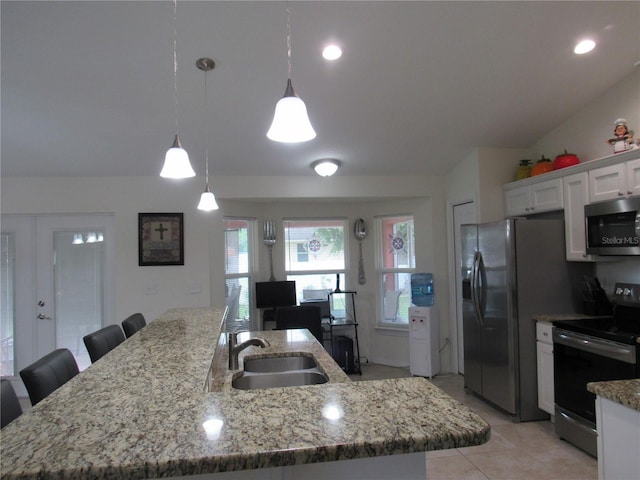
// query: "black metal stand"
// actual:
[[341, 319]]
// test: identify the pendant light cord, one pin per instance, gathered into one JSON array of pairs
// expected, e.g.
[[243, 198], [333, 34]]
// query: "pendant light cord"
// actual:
[[206, 142], [175, 61], [289, 38]]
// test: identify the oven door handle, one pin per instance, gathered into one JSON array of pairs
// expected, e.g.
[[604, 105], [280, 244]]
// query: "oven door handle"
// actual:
[[597, 346]]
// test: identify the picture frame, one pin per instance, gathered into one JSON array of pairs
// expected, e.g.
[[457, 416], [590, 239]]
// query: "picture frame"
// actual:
[[160, 239]]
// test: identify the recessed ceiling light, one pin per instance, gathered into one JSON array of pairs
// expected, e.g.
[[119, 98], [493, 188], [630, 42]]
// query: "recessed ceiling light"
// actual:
[[332, 52], [585, 46]]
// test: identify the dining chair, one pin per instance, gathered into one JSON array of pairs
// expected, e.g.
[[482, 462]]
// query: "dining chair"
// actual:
[[102, 341], [133, 323], [49, 373], [301, 316], [10, 408]]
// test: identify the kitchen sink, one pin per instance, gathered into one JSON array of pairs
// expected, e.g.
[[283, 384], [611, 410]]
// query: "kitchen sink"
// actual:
[[279, 364], [248, 381]]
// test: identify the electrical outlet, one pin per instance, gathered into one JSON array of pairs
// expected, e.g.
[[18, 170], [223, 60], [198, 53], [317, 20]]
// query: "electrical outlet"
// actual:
[[151, 290]]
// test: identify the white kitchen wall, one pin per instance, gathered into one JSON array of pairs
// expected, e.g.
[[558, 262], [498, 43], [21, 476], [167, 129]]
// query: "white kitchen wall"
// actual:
[[586, 133], [200, 282]]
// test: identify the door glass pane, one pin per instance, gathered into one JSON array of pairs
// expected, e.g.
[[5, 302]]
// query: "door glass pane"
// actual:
[[7, 270], [79, 289]]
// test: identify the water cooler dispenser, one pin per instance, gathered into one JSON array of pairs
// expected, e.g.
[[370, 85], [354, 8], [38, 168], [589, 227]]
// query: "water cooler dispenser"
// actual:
[[423, 341], [423, 327]]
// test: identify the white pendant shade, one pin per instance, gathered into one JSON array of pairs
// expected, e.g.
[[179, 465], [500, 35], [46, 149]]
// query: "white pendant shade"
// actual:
[[290, 122], [207, 201], [176, 162]]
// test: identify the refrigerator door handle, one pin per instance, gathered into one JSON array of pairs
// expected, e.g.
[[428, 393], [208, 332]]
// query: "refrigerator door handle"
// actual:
[[482, 287], [475, 287]]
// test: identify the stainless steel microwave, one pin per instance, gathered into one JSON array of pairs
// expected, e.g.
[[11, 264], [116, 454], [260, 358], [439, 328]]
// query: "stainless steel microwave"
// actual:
[[613, 227]]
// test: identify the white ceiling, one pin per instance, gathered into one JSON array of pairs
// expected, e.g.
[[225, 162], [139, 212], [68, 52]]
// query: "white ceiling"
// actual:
[[87, 87]]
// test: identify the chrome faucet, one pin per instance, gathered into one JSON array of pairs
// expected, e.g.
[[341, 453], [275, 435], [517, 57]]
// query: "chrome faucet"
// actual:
[[235, 349]]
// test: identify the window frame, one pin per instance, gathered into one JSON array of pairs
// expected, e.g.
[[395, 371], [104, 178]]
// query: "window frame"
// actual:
[[382, 271], [342, 272], [251, 224]]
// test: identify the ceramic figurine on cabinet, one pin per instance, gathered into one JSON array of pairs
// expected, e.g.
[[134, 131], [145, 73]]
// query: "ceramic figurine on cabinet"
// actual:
[[623, 137]]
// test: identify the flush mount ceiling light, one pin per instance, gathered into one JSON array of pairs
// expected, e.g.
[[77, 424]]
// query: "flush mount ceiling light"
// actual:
[[176, 161], [326, 167], [290, 121], [207, 199], [584, 46]]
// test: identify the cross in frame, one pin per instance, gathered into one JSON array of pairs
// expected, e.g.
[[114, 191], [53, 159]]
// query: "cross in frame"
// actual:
[[161, 229]]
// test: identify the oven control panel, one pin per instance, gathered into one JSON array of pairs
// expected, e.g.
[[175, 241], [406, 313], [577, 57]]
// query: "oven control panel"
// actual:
[[627, 294]]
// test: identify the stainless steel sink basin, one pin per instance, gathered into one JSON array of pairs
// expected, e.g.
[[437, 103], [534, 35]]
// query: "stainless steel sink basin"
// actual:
[[279, 364], [282, 379]]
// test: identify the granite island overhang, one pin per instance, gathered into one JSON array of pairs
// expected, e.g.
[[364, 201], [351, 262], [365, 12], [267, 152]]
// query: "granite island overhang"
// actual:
[[145, 411]]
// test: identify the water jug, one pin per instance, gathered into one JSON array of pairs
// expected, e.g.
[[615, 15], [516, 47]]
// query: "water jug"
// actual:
[[422, 293]]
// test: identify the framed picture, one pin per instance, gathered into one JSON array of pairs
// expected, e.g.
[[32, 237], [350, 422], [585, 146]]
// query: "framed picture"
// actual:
[[160, 239]]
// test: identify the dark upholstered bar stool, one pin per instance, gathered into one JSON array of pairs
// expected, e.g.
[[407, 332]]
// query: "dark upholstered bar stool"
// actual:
[[10, 408], [101, 342], [49, 373], [133, 323], [303, 316]]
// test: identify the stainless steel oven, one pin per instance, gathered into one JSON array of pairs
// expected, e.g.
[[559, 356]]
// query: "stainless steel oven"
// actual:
[[591, 350]]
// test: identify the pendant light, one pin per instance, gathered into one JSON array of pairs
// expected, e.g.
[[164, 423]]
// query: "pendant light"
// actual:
[[290, 121], [176, 161], [207, 199]]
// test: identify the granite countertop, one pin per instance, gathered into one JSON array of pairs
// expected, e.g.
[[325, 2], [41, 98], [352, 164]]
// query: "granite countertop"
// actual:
[[144, 411], [625, 392]]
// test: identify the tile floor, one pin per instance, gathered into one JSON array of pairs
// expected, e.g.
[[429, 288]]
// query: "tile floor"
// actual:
[[528, 450]]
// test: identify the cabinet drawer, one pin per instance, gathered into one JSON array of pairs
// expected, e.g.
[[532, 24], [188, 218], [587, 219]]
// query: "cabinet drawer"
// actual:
[[543, 332]]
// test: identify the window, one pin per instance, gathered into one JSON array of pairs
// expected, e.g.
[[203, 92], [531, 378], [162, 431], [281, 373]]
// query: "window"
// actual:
[[238, 233], [396, 264], [315, 255]]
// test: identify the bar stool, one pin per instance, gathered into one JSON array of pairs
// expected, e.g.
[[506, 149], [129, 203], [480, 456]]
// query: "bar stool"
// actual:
[[49, 373], [133, 323], [10, 408], [102, 341]]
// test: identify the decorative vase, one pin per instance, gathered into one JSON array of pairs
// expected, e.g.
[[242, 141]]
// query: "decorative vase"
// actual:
[[524, 170]]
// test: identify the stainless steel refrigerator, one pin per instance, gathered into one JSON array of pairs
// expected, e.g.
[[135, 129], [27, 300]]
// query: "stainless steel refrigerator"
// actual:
[[512, 270]]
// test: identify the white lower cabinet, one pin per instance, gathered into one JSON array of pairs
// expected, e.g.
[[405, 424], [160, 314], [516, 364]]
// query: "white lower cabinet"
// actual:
[[618, 440], [544, 347]]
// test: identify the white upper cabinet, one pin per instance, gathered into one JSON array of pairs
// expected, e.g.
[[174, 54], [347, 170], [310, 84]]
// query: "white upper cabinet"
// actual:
[[576, 196], [614, 181], [537, 198]]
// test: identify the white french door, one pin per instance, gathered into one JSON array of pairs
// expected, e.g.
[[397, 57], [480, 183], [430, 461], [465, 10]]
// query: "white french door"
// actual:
[[57, 276]]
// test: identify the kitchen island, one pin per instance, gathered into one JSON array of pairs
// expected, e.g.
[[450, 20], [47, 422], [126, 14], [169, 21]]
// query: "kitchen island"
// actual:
[[618, 425], [145, 410]]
